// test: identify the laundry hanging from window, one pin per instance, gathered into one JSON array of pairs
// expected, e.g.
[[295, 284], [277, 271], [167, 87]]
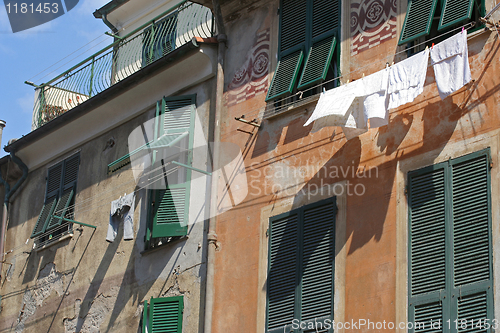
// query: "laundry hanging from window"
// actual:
[[122, 210]]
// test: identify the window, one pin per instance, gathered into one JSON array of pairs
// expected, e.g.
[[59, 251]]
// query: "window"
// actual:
[[300, 284], [159, 39], [427, 19], [170, 170], [450, 263], [308, 45], [59, 198], [163, 315]]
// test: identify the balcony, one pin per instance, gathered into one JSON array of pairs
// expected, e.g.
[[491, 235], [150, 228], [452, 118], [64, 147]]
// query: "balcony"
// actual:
[[125, 56]]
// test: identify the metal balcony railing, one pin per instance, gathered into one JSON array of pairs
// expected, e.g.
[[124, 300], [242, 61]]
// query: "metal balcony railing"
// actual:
[[122, 58]]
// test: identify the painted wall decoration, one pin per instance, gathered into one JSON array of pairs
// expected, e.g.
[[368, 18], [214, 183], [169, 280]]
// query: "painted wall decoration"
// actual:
[[372, 23], [251, 78]]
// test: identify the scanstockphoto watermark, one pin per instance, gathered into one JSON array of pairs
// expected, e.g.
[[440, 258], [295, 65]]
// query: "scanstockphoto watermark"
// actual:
[[363, 324], [26, 14], [280, 179]]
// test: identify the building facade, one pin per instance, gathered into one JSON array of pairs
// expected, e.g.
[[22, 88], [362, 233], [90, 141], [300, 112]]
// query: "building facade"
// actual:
[[382, 226]]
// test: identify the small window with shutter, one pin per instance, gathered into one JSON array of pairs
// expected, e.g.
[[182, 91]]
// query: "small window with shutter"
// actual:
[[169, 206], [449, 252], [162, 315], [308, 48], [301, 264], [429, 19], [59, 199]]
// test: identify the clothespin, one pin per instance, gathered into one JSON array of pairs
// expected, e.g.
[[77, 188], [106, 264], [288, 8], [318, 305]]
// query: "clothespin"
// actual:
[[463, 29], [432, 46], [324, 90], [363, 75]]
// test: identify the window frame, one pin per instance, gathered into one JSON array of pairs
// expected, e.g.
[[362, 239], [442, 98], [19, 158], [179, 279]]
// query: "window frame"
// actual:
[[302, 51], [58, 202], [297, 307], [448, 298]]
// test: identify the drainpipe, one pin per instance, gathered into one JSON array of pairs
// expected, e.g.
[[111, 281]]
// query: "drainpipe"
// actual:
[[8, 193], [212, 236]]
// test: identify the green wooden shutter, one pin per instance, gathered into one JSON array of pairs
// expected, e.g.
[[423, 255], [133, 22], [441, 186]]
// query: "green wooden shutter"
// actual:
[[286, 75], [427, 244], [53, 186], [70, 175], [450, 216], [165, 315], [46, 212], [300, 282], [418, 21], [455, 12], [471, 221], [326, 17], [170, 215], [176, 116], [282, 272], [318, 60], [293, 19], [145, 312], [318, 261]]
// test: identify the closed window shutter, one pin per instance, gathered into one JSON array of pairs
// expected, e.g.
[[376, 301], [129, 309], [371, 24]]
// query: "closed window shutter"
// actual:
[[282, 275], [455, 12], [418, 21], [159, 39], [318, 262], [164, 315], [170, 217], [301, 266], [450, 270], [318, 60], [427, 246], [326, 17], [286, 75]]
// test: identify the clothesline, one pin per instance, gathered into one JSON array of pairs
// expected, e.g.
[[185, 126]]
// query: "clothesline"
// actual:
[[382, 61], [392, 87]]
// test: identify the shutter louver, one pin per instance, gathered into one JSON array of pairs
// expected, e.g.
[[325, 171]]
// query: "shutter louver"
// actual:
[[470, 220], [325, 16], [418, 20], [317, 63], [293, 23], [286, 75], [472, 307], [427, 227], [47, 210], [318, 261], [454, 12], [427, 313], [165, 315], [282, 277]]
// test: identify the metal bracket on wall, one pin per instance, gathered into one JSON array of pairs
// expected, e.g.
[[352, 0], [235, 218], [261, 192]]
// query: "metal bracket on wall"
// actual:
[[73, 221]]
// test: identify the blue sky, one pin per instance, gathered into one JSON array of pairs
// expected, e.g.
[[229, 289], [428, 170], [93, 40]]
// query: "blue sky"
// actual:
[[25, 54]]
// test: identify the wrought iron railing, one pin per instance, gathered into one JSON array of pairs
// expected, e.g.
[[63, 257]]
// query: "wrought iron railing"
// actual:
[[122, 58]]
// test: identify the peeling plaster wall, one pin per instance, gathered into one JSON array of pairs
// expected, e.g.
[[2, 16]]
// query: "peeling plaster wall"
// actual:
[[84, 283]]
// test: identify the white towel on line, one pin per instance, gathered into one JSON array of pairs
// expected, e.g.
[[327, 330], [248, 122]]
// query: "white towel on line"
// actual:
[[351, 105], [407, 78], [451, 64]]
